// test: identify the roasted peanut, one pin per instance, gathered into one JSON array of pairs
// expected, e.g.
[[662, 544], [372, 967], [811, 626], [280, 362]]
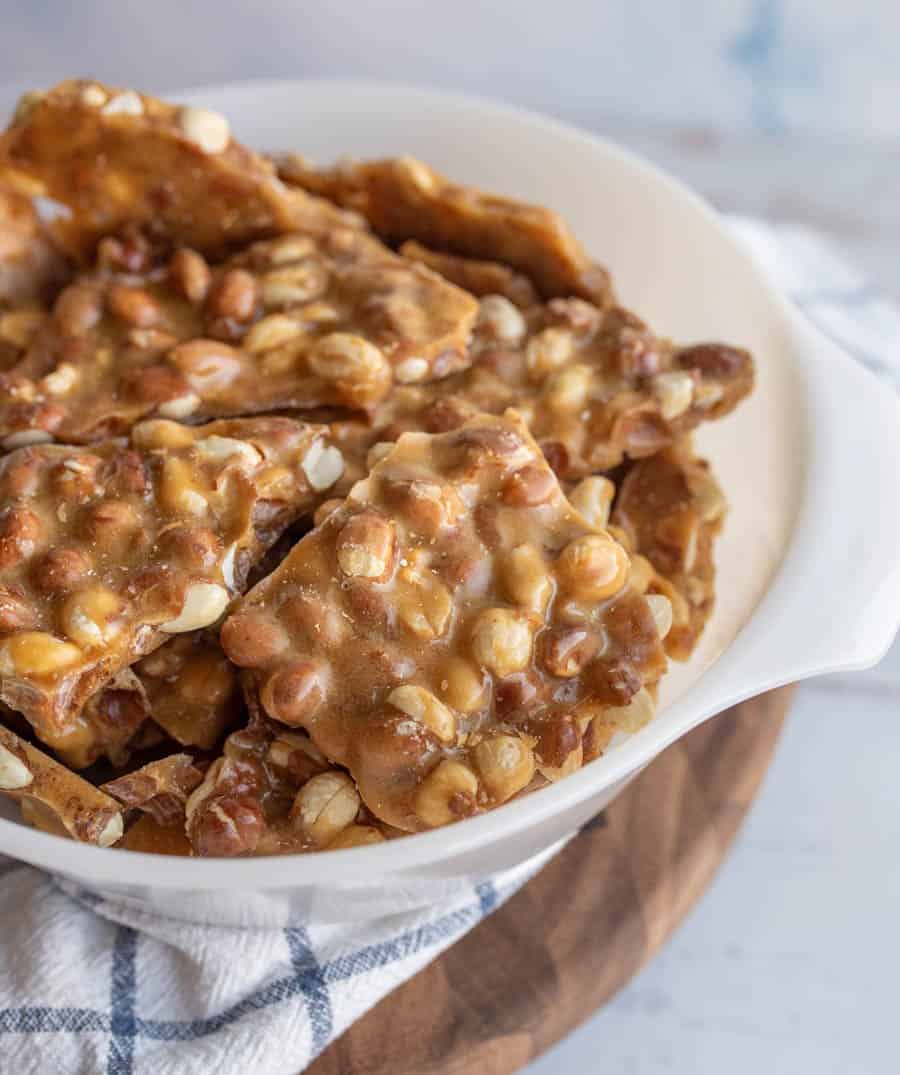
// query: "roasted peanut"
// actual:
[[594, 566], [272, 331], [323, 464], [422, 706], [16, 614], [292, 694], [661, 607], [36, 653], [356, 367], [593, 497], [462, 684], [252, 639], [190, 274], [77, 310], [61, 569], [365, 546], [204, 603], [233, 295], [530, 485], [500, 319], [526, 578], [675, 392], [208, 131], [294, 284], [210, 366], [325, 806], [93, 617], [447, 794], [505, 764], [502, 641], [423, 603], [569, 390], [547, 351], [133, 305], [356, 836], [565, 651]]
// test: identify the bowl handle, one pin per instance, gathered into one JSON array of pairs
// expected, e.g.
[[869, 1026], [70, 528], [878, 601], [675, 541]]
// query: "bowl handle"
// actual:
[[842, 610]]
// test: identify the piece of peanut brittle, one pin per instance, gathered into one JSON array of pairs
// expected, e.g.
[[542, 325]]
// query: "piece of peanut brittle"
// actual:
[[106, 552], [405, 199], [117, 159], [290, 323], [594, 387], [450, 632], [669, 510], [160, 788], [53, 798]]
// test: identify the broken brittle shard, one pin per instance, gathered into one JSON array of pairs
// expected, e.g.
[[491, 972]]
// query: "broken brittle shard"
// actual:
[[452, 630], [114, 159], [105, 552]]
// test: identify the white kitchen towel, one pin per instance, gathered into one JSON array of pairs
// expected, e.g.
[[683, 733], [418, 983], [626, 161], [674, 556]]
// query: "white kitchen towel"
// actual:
[[90, 986]]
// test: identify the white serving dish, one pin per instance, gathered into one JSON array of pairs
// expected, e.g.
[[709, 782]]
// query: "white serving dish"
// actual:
[[809, 565]]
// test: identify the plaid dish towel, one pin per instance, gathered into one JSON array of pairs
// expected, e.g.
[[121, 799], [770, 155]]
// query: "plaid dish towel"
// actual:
[[89, 985]]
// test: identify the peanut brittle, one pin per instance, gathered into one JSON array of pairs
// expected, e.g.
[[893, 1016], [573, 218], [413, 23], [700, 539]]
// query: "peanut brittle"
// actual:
[[159, 788], [192, 689], [594, 387], [273, 791], [111, 724], [669, 510], [31, 269], [116, 158], [52, 797], [106, 552], [479, 278], [451, 629], [405, 199], [288, 323]]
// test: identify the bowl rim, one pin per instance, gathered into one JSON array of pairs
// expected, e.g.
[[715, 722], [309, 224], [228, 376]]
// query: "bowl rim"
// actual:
[[418, 851]]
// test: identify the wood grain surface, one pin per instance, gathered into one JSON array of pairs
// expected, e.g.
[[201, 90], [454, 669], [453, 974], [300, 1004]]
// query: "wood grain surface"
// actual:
[[571, 938]]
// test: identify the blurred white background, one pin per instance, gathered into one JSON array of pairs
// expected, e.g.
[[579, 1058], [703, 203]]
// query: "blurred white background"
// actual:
[[824, 66]]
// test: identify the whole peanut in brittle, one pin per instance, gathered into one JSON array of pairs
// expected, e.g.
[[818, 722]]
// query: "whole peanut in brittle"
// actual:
[[288, 323], [405, 199], [60, 800], [450, 631], [594, 387], [105, 552], [116, 158], [670, 509]]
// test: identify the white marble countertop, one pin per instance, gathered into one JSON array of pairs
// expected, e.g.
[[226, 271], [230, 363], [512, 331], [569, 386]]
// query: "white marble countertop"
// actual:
[[786, 964]]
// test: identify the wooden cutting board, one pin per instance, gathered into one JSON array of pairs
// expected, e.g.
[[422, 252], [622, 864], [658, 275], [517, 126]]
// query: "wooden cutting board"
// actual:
[[579, 931]]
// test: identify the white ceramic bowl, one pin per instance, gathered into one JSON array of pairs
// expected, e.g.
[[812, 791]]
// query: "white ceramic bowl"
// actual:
[[809, 565]]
